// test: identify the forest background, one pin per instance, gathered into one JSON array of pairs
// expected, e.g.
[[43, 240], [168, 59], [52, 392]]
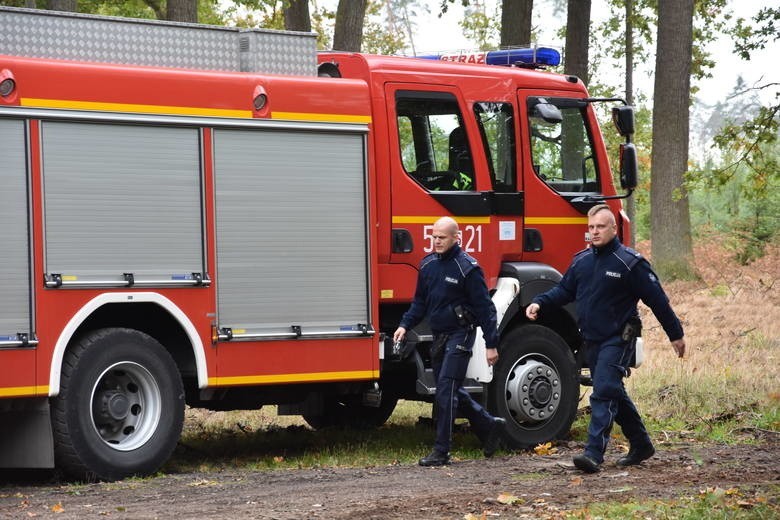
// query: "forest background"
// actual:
[[706, 163]]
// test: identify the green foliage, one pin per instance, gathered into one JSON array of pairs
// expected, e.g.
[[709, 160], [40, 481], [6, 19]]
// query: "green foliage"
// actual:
[[746, 178], [753, 35], [741, 199], [265, 14], [732, 503], [481, 27], [378, 38]]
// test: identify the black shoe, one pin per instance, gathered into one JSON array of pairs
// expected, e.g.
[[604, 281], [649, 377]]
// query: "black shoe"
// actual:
[[586, 464], [636, 456], [494, 437], [435, 459]]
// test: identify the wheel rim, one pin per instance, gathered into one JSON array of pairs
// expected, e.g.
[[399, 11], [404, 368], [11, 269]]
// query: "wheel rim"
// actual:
[[533, 390], [126, 406]]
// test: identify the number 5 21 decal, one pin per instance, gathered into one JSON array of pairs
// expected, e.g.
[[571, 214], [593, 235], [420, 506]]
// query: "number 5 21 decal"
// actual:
[[470, 238]]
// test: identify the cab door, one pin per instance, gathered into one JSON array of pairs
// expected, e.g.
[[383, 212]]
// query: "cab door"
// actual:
[[434, 173], [562, 162]]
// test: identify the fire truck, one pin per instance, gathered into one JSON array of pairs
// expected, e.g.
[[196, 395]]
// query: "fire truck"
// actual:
[[225, 218]]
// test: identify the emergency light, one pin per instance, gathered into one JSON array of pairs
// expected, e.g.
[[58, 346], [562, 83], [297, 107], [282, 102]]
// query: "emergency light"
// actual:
[[534, 56]]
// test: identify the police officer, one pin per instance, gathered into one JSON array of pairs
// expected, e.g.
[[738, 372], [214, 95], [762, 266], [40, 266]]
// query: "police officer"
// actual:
[[451, 291], [606, 281]]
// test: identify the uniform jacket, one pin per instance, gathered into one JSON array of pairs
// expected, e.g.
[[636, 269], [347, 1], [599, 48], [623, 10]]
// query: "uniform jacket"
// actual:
[[606, 284], [445, 281]]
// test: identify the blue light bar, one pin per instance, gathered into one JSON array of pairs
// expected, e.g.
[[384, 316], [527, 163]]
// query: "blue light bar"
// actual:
[[506, 57]]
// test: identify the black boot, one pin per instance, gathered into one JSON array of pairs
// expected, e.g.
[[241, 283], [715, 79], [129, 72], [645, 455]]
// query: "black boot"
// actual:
[[494, 436], [586, 464], [636, 455], [435, 459]]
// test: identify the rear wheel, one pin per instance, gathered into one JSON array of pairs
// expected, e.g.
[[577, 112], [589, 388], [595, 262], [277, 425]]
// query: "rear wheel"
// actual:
[[120, 408], [535, 386]]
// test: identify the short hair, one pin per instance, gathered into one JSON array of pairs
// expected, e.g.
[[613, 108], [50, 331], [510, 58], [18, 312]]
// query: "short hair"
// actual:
[[597, 208]]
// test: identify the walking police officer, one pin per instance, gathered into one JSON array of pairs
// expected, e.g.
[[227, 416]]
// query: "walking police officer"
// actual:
[[606, 281], [451, 291]]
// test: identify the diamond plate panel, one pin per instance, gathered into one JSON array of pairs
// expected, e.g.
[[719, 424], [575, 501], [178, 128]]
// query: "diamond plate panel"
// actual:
[[72, 36], [278, 52]]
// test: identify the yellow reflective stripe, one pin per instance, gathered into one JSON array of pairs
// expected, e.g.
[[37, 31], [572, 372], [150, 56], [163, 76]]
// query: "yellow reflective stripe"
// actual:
[[23, 391], [129, 107], [331, 118], [294, 378], [556, 220], [398, 219]]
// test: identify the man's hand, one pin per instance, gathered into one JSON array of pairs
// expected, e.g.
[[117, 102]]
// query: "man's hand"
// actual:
[[492, 356], [399, 334], [679, 347], [532, 311]]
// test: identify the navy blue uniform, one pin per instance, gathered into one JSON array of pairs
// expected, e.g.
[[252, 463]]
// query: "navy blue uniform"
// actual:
[[606, 283], [446, 281]]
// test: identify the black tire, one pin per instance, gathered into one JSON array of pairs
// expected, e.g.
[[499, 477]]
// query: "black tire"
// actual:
[[120, 408], [350, 412], [544, 408]]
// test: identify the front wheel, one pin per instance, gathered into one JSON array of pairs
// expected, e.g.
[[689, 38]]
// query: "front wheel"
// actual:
[[120, 408], [535, 386]]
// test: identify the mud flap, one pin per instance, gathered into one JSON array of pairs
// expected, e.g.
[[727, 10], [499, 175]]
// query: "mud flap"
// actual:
[[26, 438], [506, 291]]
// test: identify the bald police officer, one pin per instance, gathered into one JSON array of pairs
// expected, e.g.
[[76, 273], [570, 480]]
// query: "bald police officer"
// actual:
[[606, 281], [451, 291]]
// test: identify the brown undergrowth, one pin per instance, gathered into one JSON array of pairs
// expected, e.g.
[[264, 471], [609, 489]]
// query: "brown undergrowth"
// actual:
[[731, 317]]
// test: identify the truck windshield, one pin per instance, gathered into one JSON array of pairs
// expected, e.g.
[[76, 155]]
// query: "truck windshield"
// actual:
[[562, 153]]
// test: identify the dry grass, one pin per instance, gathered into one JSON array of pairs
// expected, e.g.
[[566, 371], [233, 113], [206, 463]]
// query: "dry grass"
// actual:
[[731, 318]]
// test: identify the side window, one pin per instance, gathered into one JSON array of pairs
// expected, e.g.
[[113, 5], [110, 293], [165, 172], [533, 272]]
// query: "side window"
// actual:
[[496, 124], [434, 148], [562, 151]]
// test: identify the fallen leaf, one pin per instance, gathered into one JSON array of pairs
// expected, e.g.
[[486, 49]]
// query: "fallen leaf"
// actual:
[[202, 482], [576, 481], [507, 499], [545, 449], [57, 508]]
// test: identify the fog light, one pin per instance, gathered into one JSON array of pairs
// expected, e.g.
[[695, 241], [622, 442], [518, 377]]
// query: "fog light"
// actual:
[[7, 86]]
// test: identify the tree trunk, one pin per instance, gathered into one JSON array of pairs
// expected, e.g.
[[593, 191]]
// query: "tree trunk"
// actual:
[[516, 22], [348, 33], [669, 211], [577, 34], [183, 11], [296, 16], [631, 201], [63, 5]]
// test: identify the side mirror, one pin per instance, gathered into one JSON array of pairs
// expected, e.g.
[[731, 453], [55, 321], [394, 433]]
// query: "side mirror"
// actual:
[[623, 117], [548, 112], [628, 166]]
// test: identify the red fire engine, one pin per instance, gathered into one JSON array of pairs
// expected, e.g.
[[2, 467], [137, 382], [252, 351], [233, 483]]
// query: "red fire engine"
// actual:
[[223, 218]]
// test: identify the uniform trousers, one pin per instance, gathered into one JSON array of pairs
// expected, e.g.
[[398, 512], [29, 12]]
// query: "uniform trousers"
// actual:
[[449, 369], [609, 402]]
